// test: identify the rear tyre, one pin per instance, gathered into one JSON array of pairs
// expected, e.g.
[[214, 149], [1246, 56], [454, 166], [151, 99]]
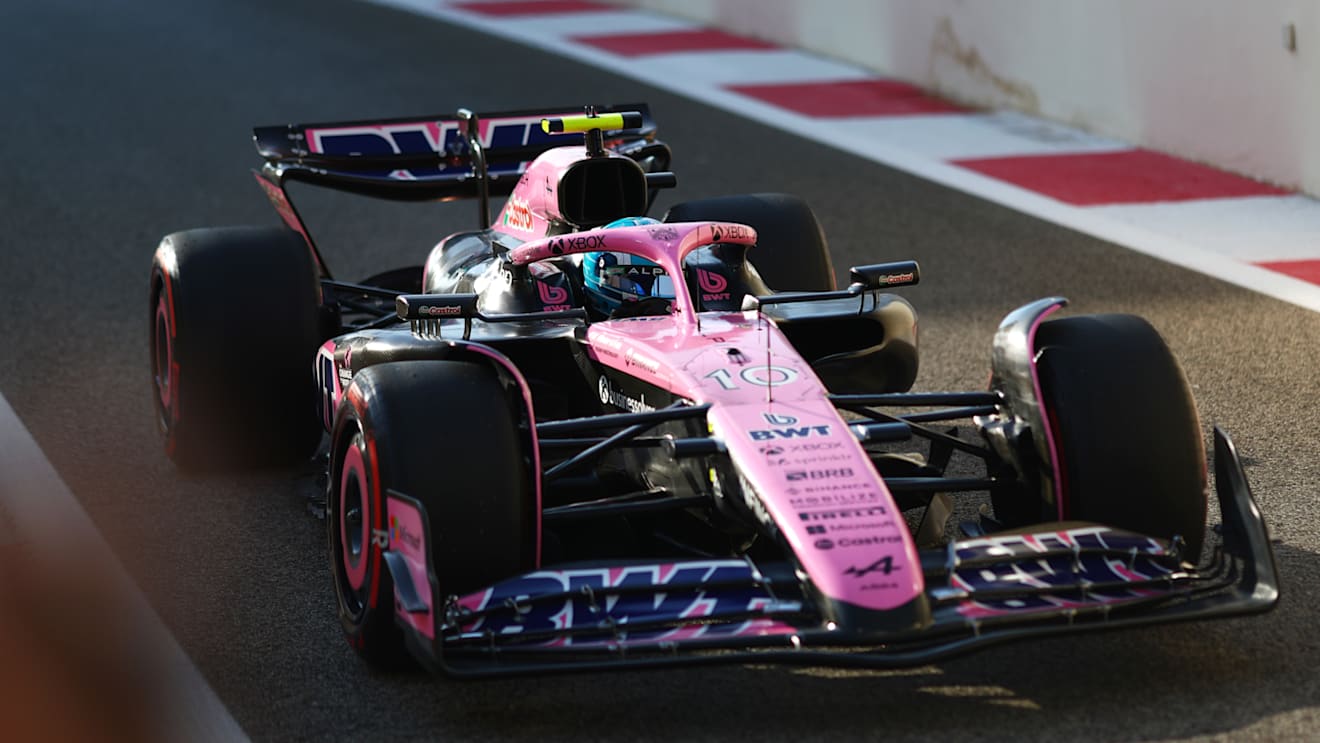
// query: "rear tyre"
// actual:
[[226, 302], [791, 253], [445, 433], [1125, 427]]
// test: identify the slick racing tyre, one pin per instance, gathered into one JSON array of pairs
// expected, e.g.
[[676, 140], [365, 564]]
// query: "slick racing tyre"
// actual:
[[1125, 427], [444, 433], [234, 330], [790, 254]]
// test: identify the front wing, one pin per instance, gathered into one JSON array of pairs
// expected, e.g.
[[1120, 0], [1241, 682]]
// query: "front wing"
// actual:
[[980, 591]]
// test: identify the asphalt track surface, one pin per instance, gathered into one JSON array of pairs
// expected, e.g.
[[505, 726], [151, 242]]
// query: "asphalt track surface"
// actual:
[[124, 121]]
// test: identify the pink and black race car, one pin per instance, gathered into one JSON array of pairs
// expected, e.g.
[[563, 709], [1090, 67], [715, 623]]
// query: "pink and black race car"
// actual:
[[576, 438]]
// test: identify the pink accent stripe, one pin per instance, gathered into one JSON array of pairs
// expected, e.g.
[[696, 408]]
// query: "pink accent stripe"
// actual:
[[1056, 462], [1126, 177], [849, 98], [532, 7], [1304, 270], [668, 42]]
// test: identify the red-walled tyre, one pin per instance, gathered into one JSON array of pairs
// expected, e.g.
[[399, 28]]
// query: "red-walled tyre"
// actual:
[[1125, 427], [234, 331], [444, 433], [791, 253]]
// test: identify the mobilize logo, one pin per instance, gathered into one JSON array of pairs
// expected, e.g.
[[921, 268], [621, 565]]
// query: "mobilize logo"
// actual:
[[834, 500], [799, 475]]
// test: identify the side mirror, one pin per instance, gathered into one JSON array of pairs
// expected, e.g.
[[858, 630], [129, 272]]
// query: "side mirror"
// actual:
[[885, 275]]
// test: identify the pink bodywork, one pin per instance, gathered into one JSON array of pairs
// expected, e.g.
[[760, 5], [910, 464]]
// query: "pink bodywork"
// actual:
[[808, 474]]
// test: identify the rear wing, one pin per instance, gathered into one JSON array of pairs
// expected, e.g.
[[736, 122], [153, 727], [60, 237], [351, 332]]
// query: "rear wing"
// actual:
[[427, 158], [461, 155]]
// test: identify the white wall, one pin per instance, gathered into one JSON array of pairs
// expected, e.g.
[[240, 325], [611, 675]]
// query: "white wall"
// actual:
[[1209, 80]]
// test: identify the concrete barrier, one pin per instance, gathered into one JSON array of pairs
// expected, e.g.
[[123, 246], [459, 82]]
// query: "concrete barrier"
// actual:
[[1230, 83]]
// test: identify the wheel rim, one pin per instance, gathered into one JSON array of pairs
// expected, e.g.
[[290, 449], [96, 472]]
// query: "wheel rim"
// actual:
[[354, 526]]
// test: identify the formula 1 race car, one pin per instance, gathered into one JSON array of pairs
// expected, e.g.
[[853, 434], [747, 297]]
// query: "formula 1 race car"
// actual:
[[580, 438]]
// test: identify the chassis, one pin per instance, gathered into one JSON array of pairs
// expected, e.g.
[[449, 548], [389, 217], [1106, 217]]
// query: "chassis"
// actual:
[[514, 483]]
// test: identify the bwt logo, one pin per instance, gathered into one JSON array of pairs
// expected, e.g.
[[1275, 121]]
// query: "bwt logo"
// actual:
[[800, 432], [552, 296], [633, 595], [427, 136], [712, 281]]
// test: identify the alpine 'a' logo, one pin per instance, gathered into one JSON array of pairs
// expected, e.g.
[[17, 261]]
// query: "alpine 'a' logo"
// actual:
[[883, 565]]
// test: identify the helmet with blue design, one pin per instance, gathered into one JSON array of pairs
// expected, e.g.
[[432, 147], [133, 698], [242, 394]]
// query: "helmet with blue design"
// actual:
[[613, 279]]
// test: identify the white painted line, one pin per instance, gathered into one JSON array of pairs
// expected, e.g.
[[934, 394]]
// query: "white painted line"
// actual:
[[746, 66], [1256, 228], [567, 25], [966, 136], [1170, 248], [41, 517]]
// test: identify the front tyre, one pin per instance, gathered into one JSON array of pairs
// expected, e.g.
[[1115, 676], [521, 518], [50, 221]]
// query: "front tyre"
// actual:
[[445, 433], [1125, 428]]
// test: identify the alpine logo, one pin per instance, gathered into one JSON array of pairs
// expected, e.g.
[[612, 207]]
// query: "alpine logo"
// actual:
[[884, 565]]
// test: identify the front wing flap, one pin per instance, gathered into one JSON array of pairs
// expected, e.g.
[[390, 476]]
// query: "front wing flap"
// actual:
[[1055, 579]]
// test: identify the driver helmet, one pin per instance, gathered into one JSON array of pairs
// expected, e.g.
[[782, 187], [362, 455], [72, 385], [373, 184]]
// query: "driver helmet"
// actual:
[[611, 279]]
